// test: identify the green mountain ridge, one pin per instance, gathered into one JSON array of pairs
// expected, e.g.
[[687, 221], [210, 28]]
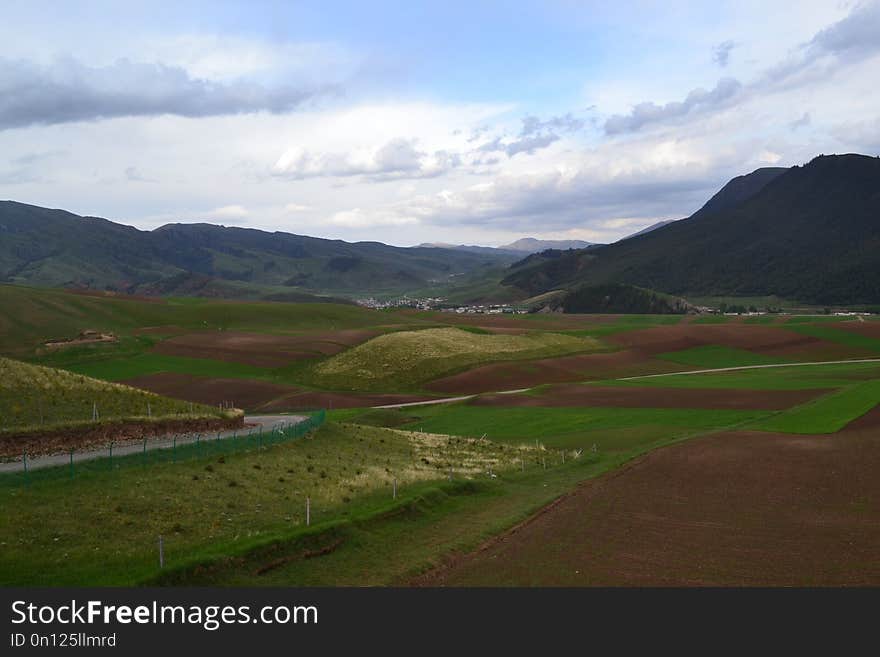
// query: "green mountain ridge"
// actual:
[[53, 248], [810, 233]]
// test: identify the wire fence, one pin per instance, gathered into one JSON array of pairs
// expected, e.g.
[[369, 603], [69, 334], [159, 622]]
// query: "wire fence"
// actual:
[[173, 449]]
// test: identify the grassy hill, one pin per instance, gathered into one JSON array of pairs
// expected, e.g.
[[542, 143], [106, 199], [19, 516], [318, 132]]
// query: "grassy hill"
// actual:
[[40, 246], [36, 398], [405, 359], [810, 233]]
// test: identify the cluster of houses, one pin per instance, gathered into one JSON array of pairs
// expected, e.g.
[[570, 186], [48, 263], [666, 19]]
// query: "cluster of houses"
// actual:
[[441, 304]]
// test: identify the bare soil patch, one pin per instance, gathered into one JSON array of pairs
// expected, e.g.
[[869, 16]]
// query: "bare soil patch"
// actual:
[[242, 393], [311, 400], [260, 349], [763, 339], [529, 373], [870, 329], [732, 509], [578, 395]]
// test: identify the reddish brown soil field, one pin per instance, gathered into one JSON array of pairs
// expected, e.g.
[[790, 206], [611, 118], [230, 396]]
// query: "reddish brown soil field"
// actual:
[[732, 509], [768, 340], [870, 329], [260, 395], [528, 373], [246, 394], [260, 349], [632, 397], [311, 400]]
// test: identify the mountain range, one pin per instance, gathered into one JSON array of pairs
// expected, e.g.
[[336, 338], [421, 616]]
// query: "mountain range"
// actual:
[[807, 233], [39, 246]]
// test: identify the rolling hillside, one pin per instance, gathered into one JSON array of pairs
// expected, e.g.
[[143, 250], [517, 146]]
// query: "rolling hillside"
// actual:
[[810, 233], [39, 246]]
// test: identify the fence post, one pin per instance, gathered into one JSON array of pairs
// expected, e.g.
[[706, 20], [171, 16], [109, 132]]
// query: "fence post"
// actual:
[[308, 511], [110, 462], [24, 462], [161, 552], [71, 464], [394, 490], [174, 449]]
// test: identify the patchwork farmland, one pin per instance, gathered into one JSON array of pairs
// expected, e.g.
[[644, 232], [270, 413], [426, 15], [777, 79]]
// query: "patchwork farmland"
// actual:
[[486, 420]]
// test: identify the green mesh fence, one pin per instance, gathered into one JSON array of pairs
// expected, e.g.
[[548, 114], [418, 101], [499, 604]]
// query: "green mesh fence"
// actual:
[[171, 449]]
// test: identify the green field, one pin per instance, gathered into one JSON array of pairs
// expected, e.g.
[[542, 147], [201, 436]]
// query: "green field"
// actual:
[[840, 336], [614, 429], [34, 398], [713, 356], [45, 314], [827, 414], [405, 359]]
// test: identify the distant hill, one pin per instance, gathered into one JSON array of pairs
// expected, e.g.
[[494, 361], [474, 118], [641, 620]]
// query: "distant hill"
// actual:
[[522, 246], [532, 245], [620, 299], [40, 246], [809, 233]]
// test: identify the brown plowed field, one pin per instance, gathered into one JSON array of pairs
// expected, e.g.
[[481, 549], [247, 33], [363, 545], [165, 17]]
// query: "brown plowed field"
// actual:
[[243, 393], [525, 374], [767, 340], [870, 329], [260, 349], [574, 394], [732, 509], [310, 400]]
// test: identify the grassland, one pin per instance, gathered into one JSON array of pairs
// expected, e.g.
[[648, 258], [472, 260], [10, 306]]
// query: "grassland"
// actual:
[[611, 429], [45, 314], [220, 506], [34, 398], [405, 359], [714, 356]]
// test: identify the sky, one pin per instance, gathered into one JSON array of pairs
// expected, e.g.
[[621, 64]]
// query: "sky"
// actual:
[[410, 122]]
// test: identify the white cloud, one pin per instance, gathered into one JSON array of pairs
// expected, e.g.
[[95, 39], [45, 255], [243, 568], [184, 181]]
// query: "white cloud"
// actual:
[[230, 212]]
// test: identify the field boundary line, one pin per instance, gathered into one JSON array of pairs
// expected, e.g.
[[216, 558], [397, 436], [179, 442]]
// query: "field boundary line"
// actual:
[[750, 367]]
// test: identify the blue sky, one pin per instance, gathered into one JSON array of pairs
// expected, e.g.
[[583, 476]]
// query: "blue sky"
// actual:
[[477, 122]]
